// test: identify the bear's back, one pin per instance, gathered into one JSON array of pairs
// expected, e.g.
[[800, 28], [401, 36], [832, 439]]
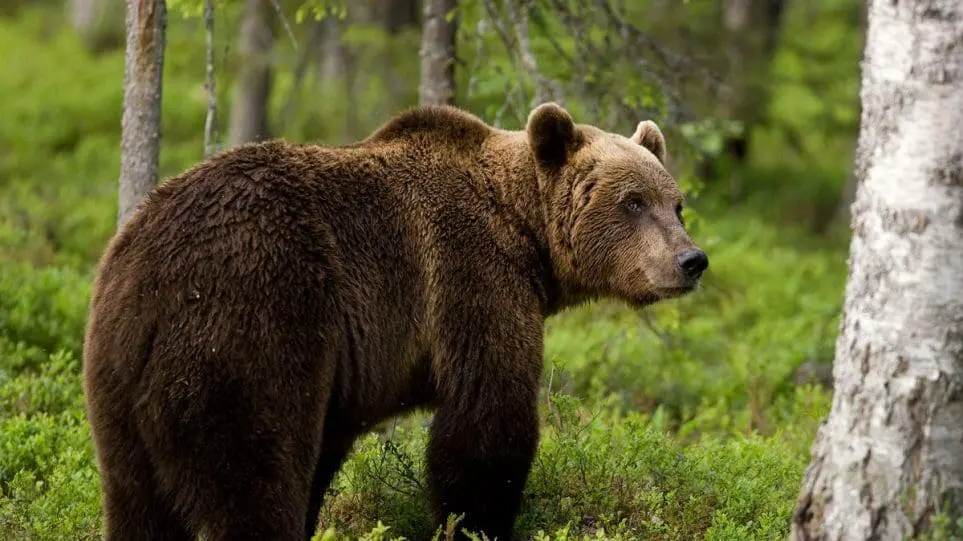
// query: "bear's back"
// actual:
[[271, 216], [386, 230]]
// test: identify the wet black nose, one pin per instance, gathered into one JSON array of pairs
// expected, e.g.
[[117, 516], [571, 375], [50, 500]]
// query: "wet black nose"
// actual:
[[693, 262]]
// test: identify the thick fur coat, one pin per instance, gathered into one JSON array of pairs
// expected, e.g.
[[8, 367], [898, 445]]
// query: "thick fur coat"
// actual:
[[263, 309]]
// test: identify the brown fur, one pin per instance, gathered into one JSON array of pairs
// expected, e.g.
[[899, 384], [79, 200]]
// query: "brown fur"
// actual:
[[263, 309]]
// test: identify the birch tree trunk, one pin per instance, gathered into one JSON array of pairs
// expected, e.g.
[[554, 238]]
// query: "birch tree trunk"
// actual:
[[252, 89], [141, 121], [890, 455], [437, 53]]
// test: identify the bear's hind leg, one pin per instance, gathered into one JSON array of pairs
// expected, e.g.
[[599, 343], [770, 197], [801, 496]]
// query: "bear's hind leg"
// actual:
[[334, 448], [247, 474], [134, 507], [240, 451]]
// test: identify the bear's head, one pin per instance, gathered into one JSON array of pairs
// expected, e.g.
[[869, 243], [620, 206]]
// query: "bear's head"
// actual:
[[614, 212]]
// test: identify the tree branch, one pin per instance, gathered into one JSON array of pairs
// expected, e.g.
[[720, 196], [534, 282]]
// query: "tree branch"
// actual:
[[546, 89], [300, 70]]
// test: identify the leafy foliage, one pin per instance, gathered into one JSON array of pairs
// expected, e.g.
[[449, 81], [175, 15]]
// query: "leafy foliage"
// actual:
[[681, 421]]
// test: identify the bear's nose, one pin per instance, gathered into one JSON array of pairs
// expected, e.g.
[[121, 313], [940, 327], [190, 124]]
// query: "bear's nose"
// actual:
[[693, 262]]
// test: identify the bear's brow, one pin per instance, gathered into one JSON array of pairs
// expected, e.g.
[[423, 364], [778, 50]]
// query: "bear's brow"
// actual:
[[587, 166]]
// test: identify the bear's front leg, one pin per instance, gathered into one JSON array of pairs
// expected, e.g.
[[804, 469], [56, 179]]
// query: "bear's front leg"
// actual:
[[477, 466], [485, 431]]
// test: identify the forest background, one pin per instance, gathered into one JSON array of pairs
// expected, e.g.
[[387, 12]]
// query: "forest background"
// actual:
[[690, 419]]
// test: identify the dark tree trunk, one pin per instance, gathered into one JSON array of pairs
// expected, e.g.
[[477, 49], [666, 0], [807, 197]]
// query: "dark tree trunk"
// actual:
[[339, 68], [334, 54], [398, 17], [252, 88], [400, 14], [752, 34]]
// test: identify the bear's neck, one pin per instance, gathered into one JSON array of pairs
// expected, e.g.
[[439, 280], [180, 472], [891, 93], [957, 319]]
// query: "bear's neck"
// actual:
[[511, 170]]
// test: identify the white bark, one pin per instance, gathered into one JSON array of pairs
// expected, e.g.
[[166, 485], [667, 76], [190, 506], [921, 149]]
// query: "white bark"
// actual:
[[141, 121], [890, 455], [437, 53]]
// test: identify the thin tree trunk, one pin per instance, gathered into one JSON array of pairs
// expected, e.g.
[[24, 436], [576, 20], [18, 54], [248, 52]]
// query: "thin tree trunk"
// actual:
[[751, 35], [437, 53], [141, 122], [545, 88], [340, 70], [334, 54], [210, 83], [252, 89], [750, 38], [753, 30], [890, 456]]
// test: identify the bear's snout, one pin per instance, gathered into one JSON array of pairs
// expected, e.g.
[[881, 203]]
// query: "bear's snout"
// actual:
[[693, 262]]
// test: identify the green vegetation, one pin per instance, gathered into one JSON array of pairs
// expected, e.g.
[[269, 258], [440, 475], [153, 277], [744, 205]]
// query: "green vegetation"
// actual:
[[680, 422]]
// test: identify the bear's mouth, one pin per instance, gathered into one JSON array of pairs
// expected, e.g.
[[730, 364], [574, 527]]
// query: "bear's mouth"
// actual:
[[659, 294], [680, 290]]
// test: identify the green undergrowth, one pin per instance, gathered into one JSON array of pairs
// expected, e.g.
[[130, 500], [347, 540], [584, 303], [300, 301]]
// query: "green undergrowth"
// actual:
[[598, 469], [687, 461], [682, 421]]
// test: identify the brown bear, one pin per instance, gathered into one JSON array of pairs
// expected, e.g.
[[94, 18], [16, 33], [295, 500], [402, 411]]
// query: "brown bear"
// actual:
[[263, 309]]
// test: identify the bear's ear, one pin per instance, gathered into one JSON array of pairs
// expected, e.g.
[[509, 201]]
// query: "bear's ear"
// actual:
[[551, 134], [648, 134]]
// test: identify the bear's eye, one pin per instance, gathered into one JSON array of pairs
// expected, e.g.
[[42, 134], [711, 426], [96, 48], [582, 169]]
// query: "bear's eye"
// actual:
[[678, 212], [634, 205]]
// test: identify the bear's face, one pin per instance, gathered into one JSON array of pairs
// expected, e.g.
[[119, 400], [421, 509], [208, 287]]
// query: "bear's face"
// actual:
[[615, 220]]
